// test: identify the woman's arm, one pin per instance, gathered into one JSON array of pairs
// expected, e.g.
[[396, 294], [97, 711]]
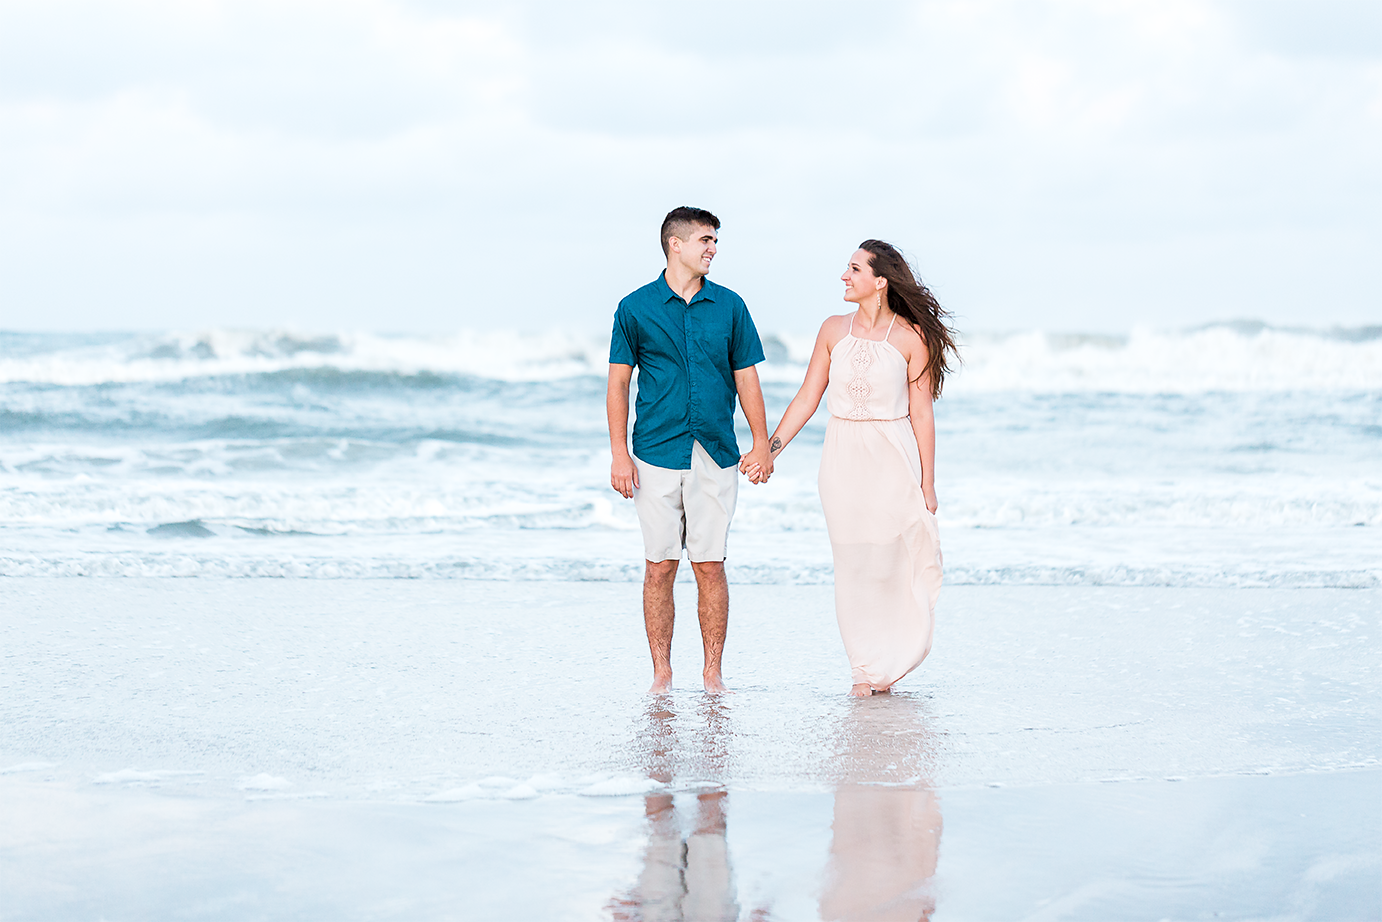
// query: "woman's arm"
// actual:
[[803, 405], [922, 411]]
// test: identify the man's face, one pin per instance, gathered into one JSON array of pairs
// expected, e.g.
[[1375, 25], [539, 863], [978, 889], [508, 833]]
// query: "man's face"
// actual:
[[696, 252]]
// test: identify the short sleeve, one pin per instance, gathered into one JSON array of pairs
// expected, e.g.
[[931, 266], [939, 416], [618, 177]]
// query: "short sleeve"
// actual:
[[745, 349], [621, 351]]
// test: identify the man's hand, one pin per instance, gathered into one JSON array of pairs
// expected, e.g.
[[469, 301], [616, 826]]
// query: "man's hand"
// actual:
[[757, 464], [623, 476]]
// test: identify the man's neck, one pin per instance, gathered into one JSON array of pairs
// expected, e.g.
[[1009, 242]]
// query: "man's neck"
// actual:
[[685, 283]]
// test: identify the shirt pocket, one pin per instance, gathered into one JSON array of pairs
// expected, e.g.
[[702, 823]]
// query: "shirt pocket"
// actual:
[[712, 339]]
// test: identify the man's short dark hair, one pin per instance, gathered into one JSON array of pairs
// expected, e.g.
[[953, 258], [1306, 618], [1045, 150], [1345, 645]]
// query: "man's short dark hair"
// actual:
[[678, 220]]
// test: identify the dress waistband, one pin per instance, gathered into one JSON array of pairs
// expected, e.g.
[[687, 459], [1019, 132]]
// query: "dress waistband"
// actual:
[[871, 419]]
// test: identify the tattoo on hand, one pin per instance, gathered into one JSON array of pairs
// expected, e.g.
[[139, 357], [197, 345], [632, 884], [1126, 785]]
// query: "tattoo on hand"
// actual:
[[776, 446]]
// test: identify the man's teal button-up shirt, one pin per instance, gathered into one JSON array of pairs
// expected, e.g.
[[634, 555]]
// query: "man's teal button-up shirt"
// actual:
[[686, 356]]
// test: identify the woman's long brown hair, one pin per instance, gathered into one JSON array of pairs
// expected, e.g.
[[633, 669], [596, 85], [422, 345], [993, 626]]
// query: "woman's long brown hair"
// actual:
[[911, 300]]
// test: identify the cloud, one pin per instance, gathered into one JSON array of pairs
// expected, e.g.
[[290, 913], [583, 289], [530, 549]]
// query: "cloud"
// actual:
[[1312, 28], [372, 163]]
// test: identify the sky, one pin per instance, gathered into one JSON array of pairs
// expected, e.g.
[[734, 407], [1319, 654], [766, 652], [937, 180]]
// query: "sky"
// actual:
[[394, 166]]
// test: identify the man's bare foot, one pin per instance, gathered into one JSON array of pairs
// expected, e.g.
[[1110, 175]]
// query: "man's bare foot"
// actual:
[[662, 684], [715, 685], [862, 690]]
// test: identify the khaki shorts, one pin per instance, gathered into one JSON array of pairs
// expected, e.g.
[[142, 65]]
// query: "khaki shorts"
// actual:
[[686, 509]]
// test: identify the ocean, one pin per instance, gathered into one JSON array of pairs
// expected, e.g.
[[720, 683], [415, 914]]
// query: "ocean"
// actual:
[[1229, 455]]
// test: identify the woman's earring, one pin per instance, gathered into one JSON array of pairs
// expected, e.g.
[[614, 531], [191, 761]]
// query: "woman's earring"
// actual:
[[880, 302]]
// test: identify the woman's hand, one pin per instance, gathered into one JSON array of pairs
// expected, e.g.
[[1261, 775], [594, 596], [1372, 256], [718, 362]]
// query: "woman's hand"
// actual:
[[928, 491]]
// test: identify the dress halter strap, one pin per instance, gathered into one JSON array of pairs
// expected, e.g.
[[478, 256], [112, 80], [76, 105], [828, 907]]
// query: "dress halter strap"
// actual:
[[885, 335]]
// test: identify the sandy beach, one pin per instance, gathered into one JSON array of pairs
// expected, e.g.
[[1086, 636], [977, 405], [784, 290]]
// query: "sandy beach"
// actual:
[[430, 749]]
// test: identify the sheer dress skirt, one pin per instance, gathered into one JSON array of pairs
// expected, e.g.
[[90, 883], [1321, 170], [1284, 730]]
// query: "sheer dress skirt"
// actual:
[[885, 543]]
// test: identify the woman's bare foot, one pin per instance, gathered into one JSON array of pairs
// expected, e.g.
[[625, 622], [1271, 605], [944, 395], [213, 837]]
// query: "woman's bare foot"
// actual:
[[864, 690], [715, 684], [662, 684]]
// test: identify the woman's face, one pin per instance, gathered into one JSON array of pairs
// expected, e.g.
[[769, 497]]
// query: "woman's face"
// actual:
[[861, 285]]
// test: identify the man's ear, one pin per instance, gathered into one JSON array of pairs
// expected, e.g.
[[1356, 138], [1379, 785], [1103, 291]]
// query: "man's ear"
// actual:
[[674, 244]]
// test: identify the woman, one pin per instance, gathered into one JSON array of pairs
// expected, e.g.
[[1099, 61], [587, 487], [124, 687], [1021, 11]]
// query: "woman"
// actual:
[[879, 369]]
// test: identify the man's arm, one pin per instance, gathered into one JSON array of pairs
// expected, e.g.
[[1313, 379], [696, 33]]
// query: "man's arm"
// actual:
[[623, 476], [751, 399]]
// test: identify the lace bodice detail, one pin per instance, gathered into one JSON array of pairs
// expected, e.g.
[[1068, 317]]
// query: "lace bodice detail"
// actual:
[[868, 379]]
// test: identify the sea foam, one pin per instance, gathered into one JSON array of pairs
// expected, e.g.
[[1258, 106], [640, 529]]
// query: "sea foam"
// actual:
[[1231, 356]]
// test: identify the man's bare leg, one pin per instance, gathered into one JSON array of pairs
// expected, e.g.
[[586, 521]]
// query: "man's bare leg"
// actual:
[[659, 615], [713, 608]]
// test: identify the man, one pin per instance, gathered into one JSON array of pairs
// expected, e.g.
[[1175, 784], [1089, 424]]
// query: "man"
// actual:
[[695, 348]]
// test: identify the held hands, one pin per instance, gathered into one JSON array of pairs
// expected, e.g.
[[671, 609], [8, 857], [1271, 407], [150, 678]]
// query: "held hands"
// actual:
[[757, 464], [623, 476]]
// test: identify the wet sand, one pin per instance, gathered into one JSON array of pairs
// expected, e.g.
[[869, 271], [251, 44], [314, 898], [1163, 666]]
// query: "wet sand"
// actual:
[[1238, 847], [482, 750]]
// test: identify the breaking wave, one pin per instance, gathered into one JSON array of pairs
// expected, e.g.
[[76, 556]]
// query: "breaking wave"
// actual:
[[1239, 356]]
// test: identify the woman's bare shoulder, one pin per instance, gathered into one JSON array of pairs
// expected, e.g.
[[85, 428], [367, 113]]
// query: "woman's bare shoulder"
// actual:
[[908, 339], [834, 328]]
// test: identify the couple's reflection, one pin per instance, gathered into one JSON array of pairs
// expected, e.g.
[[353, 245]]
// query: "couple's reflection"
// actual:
[[885, 833], [684, 876], [686, 872]]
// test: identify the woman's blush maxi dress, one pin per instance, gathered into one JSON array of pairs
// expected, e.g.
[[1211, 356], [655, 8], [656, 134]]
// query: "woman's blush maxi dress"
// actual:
[[885, 542]]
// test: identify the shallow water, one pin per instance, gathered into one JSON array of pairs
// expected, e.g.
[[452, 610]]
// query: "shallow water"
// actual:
[[417, 688]]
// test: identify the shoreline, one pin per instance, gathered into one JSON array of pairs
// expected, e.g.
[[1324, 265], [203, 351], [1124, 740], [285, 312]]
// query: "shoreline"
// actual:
[[1153, 555]]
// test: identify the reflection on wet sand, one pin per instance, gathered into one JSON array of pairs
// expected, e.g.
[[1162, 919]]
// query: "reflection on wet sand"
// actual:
[[685, 878], [883, 850], [885, 838], [885, 834]]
